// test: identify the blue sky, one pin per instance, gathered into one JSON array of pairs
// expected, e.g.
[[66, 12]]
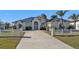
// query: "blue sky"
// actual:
[[13, 15]]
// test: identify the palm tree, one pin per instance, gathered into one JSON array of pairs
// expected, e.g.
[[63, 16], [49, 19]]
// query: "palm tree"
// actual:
[[54, 17], [44, 17], [74, 17], [61, 13], [1, 25], [7, 25]]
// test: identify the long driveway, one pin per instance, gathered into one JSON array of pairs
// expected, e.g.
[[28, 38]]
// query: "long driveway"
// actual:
[[41, 40]]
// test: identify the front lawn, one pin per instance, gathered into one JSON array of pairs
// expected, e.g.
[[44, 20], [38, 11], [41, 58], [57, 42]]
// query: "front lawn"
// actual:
[[10, 42], [11, 33], [73, 41]]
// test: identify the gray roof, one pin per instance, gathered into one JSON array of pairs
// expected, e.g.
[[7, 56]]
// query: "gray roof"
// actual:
[[57, 20], [29, 19]]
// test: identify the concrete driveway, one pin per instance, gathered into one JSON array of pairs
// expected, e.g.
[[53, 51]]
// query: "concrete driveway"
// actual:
[[41, 40]]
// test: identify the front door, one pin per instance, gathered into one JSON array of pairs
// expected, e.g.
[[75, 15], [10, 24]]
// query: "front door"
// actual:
[[35, 25]]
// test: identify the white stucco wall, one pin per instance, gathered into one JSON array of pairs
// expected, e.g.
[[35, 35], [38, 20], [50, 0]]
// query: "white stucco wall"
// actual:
[[49, 25], [77, 25], [54, 24], [27, 24], [19, 22], [42, 20], [72, 23]]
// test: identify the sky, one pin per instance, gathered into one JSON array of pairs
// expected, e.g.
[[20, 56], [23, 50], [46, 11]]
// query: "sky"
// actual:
[[13, 15]]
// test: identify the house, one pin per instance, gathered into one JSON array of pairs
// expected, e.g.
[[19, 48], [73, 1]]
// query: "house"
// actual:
[[36, 23], [31, 23], [72, 22]]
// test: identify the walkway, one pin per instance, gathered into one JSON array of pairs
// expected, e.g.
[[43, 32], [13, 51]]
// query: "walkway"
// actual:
[[41, 40]]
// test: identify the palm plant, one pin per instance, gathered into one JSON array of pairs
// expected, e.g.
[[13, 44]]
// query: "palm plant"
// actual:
[[74, 17], [53, 18], [61, 13], [7, 25], [1, 25], [44, 17]]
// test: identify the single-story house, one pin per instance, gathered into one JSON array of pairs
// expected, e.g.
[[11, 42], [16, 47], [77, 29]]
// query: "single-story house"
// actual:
[[36, 23], [31, 23]]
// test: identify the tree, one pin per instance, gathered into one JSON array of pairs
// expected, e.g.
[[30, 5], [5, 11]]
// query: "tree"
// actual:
[[54, 17], [1, 25], [61, 13], [61, 26], [74, 17], [7, 25], [70, 27], [44, 17]]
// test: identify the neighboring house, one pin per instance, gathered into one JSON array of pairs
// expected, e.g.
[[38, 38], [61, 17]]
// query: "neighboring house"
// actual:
[[56, 23], [72, 23], [31, 23]]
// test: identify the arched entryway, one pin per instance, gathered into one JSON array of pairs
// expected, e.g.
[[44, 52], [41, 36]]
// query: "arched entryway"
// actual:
[[35, 25], [19, 26]]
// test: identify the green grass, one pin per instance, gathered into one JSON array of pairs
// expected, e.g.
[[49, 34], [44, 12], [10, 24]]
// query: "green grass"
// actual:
[[68, 33], [11, 33], [10, 43], [73, 41]]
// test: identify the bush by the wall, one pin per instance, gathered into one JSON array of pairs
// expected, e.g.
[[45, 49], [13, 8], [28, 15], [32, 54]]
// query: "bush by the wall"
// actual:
[[42, 28]]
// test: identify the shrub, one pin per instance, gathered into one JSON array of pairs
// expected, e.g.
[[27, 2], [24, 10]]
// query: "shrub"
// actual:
[[71, 27], [14, 27], [61, 26], [42, 28], [28, 28]]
